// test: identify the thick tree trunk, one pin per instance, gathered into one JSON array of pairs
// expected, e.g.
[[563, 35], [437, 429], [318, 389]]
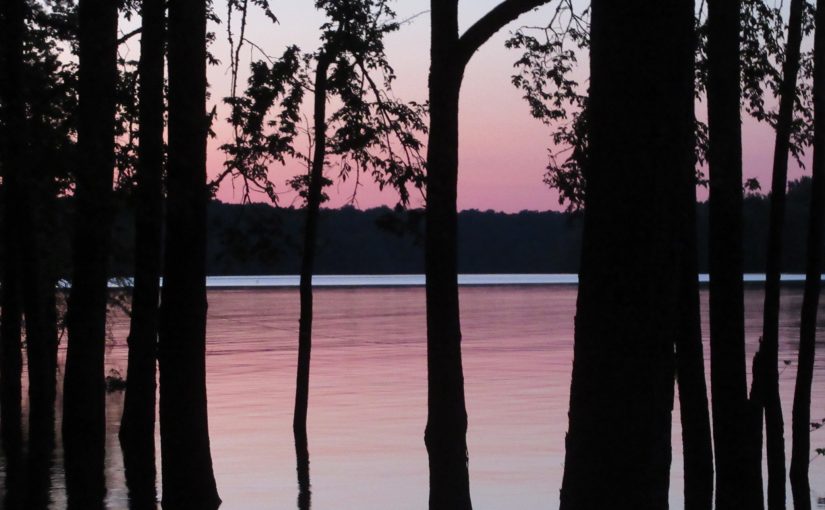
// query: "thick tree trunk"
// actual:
[[12, 158], [634, 262], [314, 196], [84, 394], [137, 428], [801, 448], [731, 415], [188, 479], [767, 369], [446, 431]]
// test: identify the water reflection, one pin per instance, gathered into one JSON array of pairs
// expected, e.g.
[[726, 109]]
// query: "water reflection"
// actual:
[[12, 442], [138, 450], [40, 455], [304, 486], [140, 477], [85, 479], [369, 402]]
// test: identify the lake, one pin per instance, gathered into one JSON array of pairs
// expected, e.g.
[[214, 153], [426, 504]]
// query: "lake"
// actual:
[[368, 395]]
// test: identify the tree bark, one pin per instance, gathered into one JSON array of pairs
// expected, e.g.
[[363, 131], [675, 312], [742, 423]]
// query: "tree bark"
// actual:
[[731, 412], [188, 478], [137, 428], [767, 369], [314, 196], [84, 393], [801, 446]]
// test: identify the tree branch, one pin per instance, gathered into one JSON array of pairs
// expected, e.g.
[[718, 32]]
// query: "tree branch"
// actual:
[[492, 22], [128, 36]]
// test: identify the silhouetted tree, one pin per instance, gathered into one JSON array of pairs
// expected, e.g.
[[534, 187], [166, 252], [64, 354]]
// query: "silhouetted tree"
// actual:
[[446, 432], [545, 76], [801, 448], [33, 94], [13, 152], [137, 429], [732, 420], [766, 375], [84, 392], [690, 365], [370, 132], [633, 275], [38, 200], [188, 478]]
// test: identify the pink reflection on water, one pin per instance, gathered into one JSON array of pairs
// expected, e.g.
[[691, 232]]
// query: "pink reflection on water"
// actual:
[[368, 396]]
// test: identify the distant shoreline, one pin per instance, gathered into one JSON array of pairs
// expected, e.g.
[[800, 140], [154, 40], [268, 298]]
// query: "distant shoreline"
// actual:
[[408, 280]]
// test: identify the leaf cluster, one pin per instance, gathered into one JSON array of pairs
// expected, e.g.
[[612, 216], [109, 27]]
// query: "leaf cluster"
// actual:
[[545, 74], [368, 130]]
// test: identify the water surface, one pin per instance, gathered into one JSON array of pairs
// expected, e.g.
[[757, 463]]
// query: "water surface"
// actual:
[[368, 396]]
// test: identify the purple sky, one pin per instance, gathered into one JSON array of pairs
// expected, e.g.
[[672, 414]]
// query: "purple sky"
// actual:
[[503, 151]]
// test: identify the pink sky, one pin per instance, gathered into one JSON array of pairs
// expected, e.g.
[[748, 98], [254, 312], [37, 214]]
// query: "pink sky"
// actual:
[[503, 151]]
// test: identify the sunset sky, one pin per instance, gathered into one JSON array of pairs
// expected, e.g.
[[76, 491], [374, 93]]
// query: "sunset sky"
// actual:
[[503, 151]]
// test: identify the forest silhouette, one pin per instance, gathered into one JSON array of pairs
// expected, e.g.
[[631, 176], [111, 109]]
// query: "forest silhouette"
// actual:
[[104, 176]]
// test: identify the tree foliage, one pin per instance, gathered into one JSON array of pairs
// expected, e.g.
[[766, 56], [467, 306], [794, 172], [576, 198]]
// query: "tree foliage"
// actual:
[[548, 75], [371, 131]]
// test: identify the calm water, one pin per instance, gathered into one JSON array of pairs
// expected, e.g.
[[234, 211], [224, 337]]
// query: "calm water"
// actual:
[[368, 396]]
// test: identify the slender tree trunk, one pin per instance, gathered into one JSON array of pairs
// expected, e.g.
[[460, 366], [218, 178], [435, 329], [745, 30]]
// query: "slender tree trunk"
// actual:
[[84, 418], [40, 277], [690, 362], [446, 431], [188, 478], [39, 300], [304, 485], [632, 283], [316, 177], [12, 152], [801, 448], [41, 333], [690, 368], [731, 415], [137, 429], [767, 369]]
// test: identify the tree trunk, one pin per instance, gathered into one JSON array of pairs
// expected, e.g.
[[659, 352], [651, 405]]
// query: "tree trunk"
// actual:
[[314, 195], [446, 431], [137, 429], [690, 363], [690, 368], [634, 258], [39, 302], [731, 422], [801, 449], [767, 368], [12, 153], [188, 479], [84, 418]]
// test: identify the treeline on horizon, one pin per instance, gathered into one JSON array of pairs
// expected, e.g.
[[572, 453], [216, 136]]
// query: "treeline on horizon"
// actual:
[[259, 239]]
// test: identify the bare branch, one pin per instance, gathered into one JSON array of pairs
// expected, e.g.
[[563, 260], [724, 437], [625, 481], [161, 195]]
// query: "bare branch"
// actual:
[[128, 36], [492, 22]]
